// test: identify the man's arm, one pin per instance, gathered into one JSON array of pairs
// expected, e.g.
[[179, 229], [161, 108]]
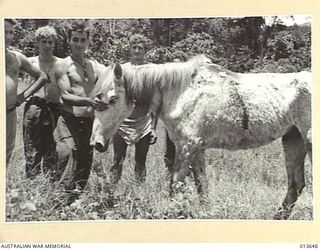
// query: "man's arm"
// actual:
[[66, 92], [154, 123], [40, 78]]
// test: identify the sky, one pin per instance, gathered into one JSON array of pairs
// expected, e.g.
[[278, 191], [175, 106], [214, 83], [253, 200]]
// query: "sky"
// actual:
[[289, 21]]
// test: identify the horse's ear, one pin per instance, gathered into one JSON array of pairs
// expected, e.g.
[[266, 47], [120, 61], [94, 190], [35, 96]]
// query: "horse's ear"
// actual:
[[117, 71]]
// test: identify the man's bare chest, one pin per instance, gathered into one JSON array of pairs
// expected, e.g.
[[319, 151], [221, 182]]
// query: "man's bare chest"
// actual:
[[81, 81]]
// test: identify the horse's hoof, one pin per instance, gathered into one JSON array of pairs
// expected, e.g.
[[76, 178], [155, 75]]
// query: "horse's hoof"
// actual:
[[281, 215]]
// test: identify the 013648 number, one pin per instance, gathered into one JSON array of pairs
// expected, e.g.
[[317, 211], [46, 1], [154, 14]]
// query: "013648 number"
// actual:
[[308, 245]]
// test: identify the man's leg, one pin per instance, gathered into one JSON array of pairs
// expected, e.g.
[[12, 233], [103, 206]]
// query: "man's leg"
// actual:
[[170, 153], [119, 154], [10, 134], [49, 152], [55, 109], [64, 151], [142, 148], [85, 154], [66, 155], [49, 144], [32, 138]]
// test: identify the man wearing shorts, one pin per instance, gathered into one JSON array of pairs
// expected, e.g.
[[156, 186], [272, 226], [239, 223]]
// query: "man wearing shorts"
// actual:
[[137, 129]]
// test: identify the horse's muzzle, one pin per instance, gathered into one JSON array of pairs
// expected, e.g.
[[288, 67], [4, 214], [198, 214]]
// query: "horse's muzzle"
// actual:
[[101, 147], [99, 143]]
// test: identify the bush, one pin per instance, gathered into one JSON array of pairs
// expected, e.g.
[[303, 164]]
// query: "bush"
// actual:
[[199, 43], [223, 40], [281, 66], [159, 55]]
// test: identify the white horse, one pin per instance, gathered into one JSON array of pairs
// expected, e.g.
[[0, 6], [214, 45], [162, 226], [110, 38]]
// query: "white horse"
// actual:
[[206, 106]]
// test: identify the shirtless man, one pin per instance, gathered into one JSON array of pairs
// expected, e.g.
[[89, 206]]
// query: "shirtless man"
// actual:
[[137, 129], [42, 110], [76, 77], [15, 62]]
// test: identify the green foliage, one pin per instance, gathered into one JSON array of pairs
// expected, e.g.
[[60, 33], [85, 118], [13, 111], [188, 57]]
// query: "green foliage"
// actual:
[[281, 46], [239, 44], [283, 65], [199, 43], [240, 59], [159, 55]]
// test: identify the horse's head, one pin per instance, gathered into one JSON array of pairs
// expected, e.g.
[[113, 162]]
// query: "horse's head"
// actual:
[[107, 122]]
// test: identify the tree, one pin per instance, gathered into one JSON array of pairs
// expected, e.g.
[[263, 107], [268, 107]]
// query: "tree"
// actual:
[[239, 44]]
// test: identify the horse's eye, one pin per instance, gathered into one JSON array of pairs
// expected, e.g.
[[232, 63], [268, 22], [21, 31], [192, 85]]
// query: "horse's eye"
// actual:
[[113, 99]]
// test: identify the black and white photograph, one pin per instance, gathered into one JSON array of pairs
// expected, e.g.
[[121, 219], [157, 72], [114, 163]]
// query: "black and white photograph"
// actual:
[[202, 118]]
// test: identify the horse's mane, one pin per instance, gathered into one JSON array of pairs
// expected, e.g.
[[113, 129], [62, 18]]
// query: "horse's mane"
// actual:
[[141, 81], [103, 73]]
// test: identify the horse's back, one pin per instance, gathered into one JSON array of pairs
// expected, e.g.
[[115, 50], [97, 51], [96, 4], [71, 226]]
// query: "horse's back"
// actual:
[[245, 111]]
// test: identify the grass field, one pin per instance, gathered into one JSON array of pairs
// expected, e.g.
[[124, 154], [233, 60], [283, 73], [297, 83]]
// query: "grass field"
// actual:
[[248, 184]]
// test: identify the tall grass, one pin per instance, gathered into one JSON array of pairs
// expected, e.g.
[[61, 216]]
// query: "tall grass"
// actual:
[[248, 184]]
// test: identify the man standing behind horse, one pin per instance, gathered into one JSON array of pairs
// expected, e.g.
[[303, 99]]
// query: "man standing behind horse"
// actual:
[[15, 61], [76, 77], [42, 110], [137, 129]]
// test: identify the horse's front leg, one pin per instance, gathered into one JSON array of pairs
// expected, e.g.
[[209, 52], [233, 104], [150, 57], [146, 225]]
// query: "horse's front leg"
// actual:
[[200, 176], [179, 171]]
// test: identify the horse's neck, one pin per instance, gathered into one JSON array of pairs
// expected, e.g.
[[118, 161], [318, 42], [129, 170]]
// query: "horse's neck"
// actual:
[[166, 93], [157, 102], [160, 87]]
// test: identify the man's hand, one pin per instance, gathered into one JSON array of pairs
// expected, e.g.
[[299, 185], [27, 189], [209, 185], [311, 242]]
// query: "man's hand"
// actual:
[[99, 105], [153, 136]]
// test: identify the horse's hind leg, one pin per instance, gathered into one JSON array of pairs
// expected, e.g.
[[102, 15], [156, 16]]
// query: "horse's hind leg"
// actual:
[[308, 142], [295, 153], [199, 172]]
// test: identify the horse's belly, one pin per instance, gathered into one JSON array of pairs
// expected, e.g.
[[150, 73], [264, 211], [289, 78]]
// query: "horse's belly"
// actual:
[[239, 138], [232, 128], [240, 141]]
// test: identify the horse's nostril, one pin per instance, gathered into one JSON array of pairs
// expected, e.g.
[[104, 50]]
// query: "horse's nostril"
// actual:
[[98, 146]]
